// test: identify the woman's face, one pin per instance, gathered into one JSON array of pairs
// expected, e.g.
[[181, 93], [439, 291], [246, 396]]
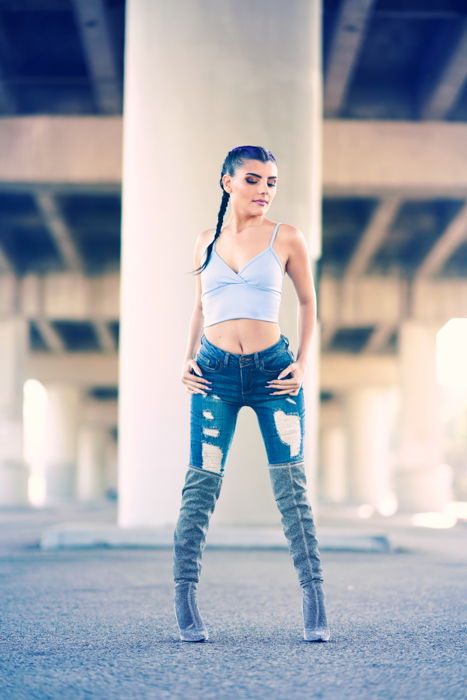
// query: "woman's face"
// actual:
[[253, 181]]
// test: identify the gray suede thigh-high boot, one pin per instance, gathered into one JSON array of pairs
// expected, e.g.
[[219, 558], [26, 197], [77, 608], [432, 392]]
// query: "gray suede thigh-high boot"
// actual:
[[199, 496], [290, 493]]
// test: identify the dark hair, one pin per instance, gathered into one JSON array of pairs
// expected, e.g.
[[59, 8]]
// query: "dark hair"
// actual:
[[234, 159]]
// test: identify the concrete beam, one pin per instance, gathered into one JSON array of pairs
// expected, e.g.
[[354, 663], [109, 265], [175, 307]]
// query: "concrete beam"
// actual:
[[8, 293], [67, 295], [379, 338], [328, 331], [417, 160], [102, 413], [347, 38], [93, 26], [83, 369], [444, 90], [64, 150], [340, 372], [7, 100], [103, 333], [59, 230], [412, 159], [362, 301], [372, 237], [6, 266], [452, 238], [51, 338], [386, 300]]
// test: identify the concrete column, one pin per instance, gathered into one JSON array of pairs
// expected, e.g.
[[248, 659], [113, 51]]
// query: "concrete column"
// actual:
[[333, 463], [423, 481], [368, 418], [13, 469], [62, 423], [92, 464], [178, 126]]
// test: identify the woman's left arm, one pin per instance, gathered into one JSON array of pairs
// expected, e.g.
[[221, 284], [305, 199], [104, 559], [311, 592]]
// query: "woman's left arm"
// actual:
[[298, 267], [299, 270]]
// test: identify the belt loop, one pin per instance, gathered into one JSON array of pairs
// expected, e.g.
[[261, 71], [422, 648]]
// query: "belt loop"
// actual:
[[286, 339], [256, 358], [226, 358]]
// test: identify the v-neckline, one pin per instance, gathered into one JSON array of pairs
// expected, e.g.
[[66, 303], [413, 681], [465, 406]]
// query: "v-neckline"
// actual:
[[261, 252]]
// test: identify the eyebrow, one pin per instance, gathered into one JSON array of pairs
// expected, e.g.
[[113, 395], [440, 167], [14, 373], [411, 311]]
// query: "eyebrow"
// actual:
[[274, 176]]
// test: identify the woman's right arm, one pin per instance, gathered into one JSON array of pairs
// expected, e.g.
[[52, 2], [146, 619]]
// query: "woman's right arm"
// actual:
[[197, 319], [194, 383]]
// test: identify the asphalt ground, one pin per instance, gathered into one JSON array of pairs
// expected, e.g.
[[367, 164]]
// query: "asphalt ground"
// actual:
[[99, 622]]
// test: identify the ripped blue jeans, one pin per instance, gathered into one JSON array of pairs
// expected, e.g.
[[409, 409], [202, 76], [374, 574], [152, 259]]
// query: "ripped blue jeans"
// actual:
[[240, 380]]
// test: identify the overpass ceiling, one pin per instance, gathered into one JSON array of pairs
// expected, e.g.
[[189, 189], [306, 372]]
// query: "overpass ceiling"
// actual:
[[382, 59], [46, 65], [74, 336], [401, 51], [91, 219], [403, 55], [414, 231]]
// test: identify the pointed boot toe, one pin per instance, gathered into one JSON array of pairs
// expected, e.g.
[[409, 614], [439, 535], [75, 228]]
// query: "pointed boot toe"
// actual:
[[319, 634]]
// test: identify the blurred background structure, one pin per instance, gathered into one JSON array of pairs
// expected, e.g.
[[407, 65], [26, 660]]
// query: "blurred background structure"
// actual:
[[94, 105]]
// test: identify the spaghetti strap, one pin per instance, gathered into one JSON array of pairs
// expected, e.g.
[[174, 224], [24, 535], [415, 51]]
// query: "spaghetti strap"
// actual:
[[274, 233]]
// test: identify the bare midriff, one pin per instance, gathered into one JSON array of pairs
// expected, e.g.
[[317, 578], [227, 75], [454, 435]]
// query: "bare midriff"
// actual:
[[243, 335]]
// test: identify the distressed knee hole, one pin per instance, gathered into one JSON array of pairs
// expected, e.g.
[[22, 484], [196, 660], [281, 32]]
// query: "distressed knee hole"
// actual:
[[211, 457], [289, 431]]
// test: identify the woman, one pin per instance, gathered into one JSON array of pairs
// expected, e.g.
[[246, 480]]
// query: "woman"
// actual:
[[245, 360]]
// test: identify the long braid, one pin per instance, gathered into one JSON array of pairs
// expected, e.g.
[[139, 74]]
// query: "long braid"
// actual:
[[233, 160], [220, 216]]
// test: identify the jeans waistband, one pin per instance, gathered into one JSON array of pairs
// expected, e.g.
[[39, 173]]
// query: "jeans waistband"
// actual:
[[224, 355]]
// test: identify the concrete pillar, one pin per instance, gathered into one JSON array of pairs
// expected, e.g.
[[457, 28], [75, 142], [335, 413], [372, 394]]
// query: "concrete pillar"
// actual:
[[186, 104], [368, 417], [423, 481], [92, 464], [62, 424], [333, 463], [14, 472]]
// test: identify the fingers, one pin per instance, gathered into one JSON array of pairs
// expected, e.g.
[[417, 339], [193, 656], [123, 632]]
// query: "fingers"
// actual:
[[282, 384], [198, 390], [195, 384]]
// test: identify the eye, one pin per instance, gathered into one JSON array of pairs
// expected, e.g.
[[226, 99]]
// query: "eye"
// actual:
[[253, 182]]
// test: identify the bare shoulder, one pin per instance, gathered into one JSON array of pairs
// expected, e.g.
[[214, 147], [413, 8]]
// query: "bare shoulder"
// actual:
[[294, 246], [204, 238], [202, 241], [289, 232], [207, 234]]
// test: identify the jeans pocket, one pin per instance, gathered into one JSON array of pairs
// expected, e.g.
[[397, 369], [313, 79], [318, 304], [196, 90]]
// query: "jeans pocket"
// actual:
[[207, 362], [272, 366]]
